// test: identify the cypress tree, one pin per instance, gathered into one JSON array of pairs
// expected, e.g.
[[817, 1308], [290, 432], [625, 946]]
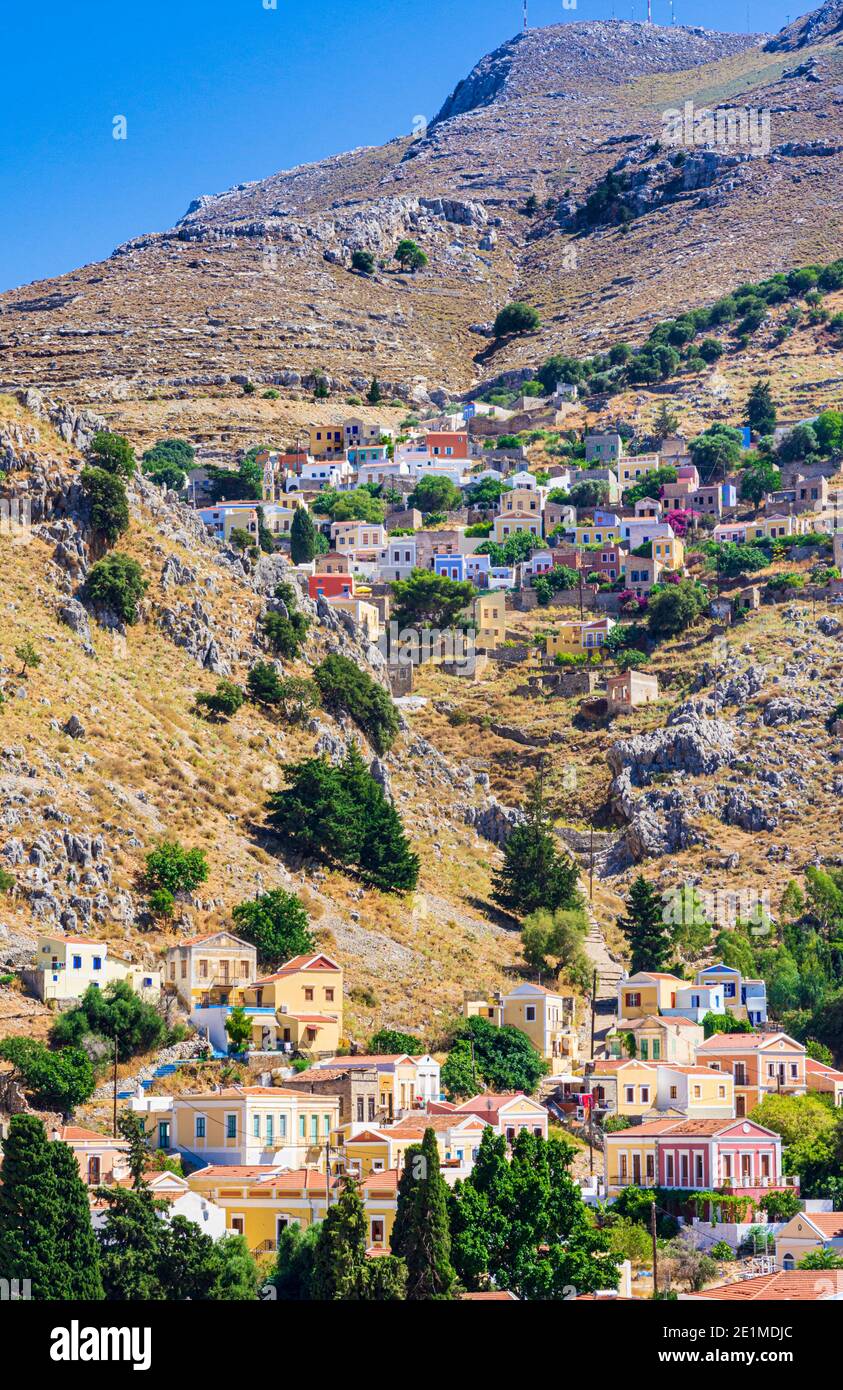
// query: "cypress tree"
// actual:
[[77, 1243], [46, 1235], [339, 1262], [303, 537], [422, 1235], [761, 409], [645, 928], [534, 873]]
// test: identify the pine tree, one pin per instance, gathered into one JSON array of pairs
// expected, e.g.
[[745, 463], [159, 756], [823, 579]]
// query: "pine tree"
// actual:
[[645, 928], [375, 395], [130, 1127], [45, 1221], [303, 537], [534, 873], [761, 409], [422, 1235]]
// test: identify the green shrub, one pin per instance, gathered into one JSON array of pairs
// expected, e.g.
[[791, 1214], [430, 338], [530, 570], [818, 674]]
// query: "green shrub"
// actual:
[[346, 689], [116, 582]]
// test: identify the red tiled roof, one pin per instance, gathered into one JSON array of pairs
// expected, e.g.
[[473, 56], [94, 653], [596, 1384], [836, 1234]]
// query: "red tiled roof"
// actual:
[[802, 1285]]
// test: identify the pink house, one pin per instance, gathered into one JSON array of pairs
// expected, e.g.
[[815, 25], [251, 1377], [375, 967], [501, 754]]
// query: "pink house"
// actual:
[[101, 1158], [728, 1155]]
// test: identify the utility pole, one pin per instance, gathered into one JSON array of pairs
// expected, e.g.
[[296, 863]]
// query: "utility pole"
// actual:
[[591, 859], [114, 1102], [593, 1009], [327, 1174], [655, 1250]]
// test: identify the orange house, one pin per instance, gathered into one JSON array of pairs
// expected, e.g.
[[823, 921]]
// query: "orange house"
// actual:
[[448, 444], [762, 1064], [330, 586]]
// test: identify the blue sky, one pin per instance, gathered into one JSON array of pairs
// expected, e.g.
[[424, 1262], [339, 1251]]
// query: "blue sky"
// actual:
[[217, 92]]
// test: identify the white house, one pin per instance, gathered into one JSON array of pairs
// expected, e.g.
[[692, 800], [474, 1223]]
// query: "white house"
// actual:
[[65, 966]]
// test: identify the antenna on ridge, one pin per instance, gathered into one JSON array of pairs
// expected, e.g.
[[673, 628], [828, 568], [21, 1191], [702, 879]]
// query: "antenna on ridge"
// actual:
[[526, 21], [649, 11]]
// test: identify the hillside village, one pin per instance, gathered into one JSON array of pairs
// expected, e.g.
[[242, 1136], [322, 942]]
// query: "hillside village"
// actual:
[[420, 865], [500, 551]]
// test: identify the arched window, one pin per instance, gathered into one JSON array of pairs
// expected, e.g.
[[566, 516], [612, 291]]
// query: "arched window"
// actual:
[[788, 1262]]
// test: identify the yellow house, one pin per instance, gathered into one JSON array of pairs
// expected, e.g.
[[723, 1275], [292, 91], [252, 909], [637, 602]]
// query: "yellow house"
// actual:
[[523, 501], [669, 551], [809, 1230], [589, 534], [365, 615], [659, 1039], [404, 1082], [648, 992], [212, 969], [458, 1139], [259, 1201], [65, 966], [255, 1125], [630, 1156], [631, 470], [490, 617], [696, 1091], [327, 442], [571, 638], [307, 999], [513, 524], [545, 1016], [627, 1088]]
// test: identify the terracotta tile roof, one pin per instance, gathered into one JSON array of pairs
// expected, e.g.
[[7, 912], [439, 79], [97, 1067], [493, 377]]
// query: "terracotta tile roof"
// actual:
[[74, 1133], [729, 1042], [209, 936], [491, 1104], [800, 1285], [499, 1296], [829, 1223], [299, 963], [360, 1059], [76, 940], [821, 1069]]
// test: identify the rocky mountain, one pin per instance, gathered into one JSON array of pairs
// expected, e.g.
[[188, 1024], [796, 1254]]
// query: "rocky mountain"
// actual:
[[256, 283], [816, 27]]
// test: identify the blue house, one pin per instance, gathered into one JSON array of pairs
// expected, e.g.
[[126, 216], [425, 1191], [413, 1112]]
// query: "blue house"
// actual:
[[743, 998], [451, 566]]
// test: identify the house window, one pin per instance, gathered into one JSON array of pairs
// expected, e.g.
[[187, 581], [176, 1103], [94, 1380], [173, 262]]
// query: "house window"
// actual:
[[97, 962], [93, 1169], [359, 1109], [721, 1092], [269, 1129], [77, 962], [668, 1170], [302, 1127], [673, 1093], [308, 994], [238, 1225], [697, 1092], [326, 1124], [645, 1095], [231, 1126], [371, 1107], [199, 1129], [629, 1094], [657, 1049], [256, 1126], [633, 1001], [622, 1168], [329, 996], [282, 1126], [314, 1129], [765, 1165], [164, 1134], [530, 1013], [377, 1230]]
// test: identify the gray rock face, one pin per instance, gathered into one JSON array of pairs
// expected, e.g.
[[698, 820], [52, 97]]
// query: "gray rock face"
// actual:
[[784, 710], [380, 772], [74, 727], [174, 571], [739, 809], [493, 821], [829, 625], [75, 616], [689, 743]]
